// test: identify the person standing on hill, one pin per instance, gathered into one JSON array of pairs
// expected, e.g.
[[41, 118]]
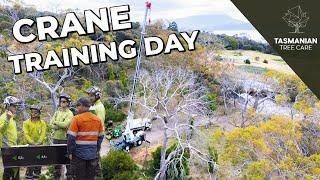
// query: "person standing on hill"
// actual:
[[97, 107], [34, 133], [85, 136], [9, 133], [95, 95], [60, 123]]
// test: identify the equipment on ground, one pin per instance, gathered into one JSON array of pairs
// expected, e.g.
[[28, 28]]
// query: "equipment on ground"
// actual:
[[114, 132], [129, 140], [140, 124], [17, 156]]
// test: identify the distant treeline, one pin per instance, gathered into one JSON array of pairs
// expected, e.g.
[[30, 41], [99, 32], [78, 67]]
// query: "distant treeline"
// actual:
[[236, 42], [233, 43]]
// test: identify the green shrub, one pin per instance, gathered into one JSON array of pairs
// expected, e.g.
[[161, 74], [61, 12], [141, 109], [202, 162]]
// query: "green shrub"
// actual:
[[232, 42], [119, 165], [155, 164], [124, 78], [212, 98], [111, 72], [49, 174], [114, 114], [247, 61], [213, 154]]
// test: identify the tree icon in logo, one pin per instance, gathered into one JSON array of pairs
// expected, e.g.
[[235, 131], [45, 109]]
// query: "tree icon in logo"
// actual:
[[296, 18]]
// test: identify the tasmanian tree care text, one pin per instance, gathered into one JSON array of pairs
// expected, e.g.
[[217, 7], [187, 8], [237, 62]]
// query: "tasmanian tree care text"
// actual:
[[109, 19]]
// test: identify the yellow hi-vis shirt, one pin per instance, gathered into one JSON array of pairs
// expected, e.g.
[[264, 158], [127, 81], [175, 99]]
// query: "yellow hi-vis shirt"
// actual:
[[34, 131], [8, 131], [99, 110], [61, 121]]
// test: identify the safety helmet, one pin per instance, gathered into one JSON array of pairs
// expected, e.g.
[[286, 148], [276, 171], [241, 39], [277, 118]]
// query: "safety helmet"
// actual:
[[66, 96], [36, 107], [95, 91], [11, 100]]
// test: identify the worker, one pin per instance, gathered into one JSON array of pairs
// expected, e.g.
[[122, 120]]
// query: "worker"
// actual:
[[85, 136], [97, 107], [34, 133], [60, 123], [9, 133]]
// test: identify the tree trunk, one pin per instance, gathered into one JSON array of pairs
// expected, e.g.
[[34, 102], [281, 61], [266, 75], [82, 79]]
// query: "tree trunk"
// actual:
[[256, 103], [191, 130], [163, 166], [296, 29], [225, 103], [243, 111], [291, 113], [54, 101]]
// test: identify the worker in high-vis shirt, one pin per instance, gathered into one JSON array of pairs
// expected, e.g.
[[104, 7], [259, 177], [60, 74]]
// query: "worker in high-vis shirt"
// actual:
[[34, 133], [97, 107], [85, 136], [60, 123], [9, 133]]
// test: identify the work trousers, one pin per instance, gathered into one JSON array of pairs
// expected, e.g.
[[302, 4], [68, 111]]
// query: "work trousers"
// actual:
[[58, 169], [84, 169], [11, 173]]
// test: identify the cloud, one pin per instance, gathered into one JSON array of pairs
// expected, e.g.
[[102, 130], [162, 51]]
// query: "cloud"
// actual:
[[161, 9]]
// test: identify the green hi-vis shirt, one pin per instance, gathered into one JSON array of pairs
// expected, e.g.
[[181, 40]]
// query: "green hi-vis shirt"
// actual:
[[34, 132], [8, 131], [99, 110], [60, 122]]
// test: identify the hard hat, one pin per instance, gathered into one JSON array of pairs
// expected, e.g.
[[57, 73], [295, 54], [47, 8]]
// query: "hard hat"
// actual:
[[36, 107], [11, 100], [95, 91], [66, 96]]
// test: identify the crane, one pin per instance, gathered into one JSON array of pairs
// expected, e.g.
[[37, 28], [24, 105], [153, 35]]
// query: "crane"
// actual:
[[130, 138]]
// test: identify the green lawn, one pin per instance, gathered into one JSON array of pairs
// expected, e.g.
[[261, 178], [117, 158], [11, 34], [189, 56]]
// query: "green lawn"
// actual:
[[252, 69]]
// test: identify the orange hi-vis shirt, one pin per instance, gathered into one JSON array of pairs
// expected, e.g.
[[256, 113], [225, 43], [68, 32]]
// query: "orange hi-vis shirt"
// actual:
[[85, 136], [86, 128]]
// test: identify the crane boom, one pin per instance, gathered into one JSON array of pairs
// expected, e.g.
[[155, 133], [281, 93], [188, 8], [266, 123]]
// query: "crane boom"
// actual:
[[137, 69]]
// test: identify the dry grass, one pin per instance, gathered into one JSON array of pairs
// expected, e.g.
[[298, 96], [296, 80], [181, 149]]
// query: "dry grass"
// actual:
[[274, 62]]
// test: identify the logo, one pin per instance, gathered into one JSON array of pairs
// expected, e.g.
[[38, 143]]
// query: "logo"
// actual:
[[296, 19]]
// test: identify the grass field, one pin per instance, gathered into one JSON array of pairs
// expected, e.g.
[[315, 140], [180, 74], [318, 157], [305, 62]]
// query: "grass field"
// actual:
[[253, 69], [274, 62]]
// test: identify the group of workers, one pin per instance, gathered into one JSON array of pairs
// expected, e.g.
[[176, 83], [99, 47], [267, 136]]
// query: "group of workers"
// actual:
[[83, 132]]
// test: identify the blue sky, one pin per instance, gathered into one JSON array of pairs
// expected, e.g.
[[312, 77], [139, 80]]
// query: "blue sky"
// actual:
[[161, 9]]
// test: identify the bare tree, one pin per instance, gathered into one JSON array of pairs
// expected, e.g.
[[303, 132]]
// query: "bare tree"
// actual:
[[296, 18], [174, 96], [52, 87], [245, 91]]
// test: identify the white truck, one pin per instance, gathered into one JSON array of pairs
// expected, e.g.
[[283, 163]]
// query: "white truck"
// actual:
[[134, 133], [140, 124]]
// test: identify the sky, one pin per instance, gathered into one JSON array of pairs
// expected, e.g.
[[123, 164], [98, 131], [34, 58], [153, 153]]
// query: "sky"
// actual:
[[161, 9]]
